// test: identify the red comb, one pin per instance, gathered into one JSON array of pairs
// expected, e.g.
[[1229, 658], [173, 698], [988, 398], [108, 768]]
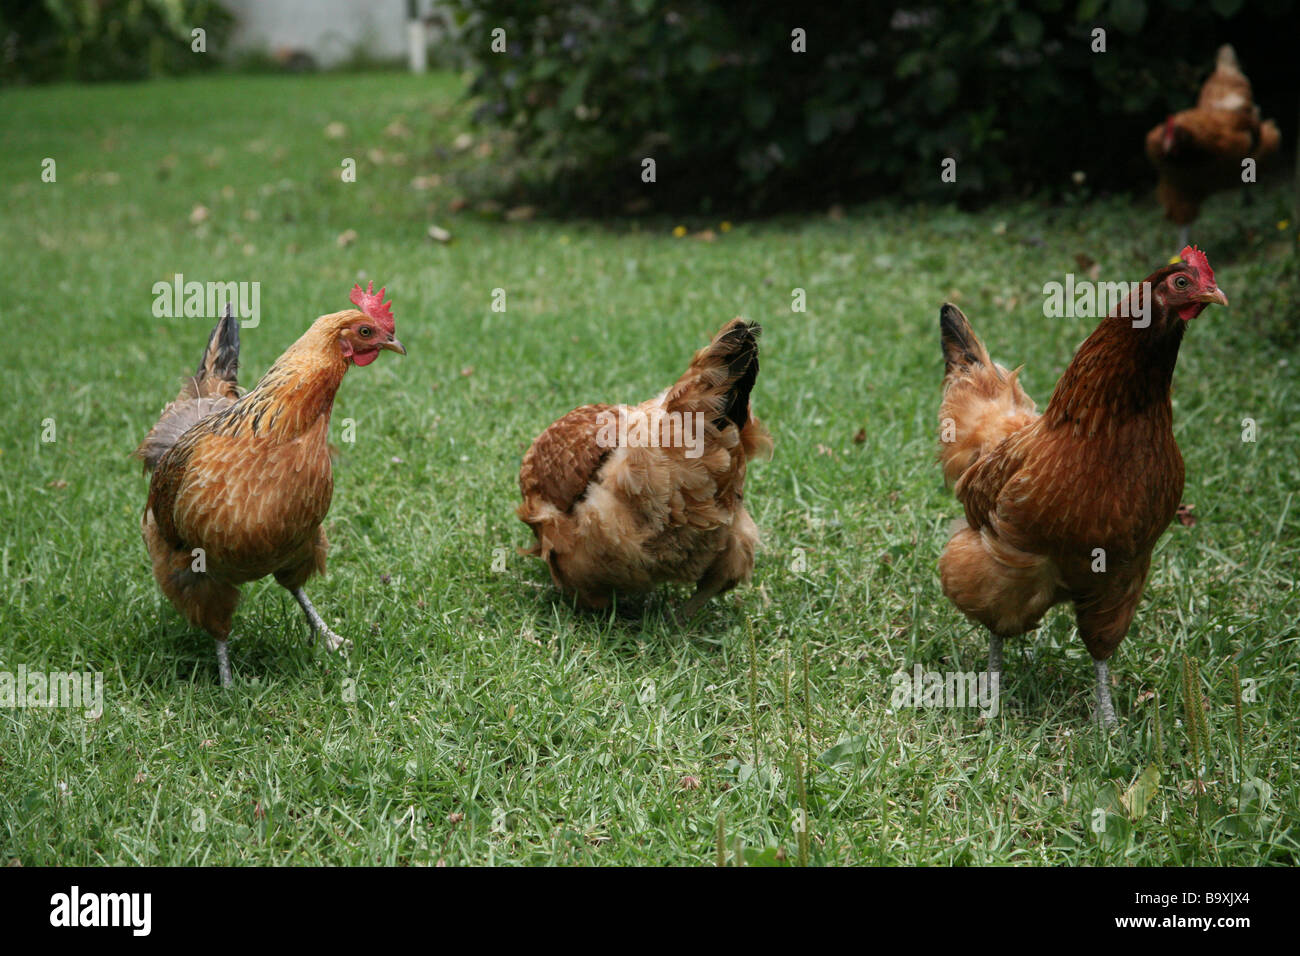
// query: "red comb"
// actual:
[[1196, 259], [374, 306]]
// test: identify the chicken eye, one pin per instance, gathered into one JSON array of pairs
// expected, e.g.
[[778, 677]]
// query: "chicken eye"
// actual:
[[365, 331], [1180, 282]]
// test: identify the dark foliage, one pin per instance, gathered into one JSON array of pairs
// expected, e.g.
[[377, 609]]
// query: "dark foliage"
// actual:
[[80, 40], [713, 92]]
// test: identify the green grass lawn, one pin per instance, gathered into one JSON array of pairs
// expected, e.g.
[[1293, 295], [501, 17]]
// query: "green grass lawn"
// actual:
[[479, 718]]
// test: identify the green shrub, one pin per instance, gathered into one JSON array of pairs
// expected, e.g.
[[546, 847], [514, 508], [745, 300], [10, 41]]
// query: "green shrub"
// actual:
[[714, 93], [77, 40]]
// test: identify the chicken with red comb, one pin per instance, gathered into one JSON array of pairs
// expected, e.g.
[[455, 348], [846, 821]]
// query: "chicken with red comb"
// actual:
[[242, 483], [1068, 505]]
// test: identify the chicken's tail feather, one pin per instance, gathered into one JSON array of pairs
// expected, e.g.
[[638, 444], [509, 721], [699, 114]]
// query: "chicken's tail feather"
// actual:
[[983, 403], [962, 349], [721, 377], [213, 386], [218, 371]]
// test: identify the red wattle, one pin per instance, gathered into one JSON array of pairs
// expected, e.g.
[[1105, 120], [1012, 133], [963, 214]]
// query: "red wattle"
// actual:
[[365, 358]]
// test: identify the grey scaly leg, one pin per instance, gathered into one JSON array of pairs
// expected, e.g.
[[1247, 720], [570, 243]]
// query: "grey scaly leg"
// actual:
[[995, 656], [1105, 709], [332, 641], [1182, 237], [223, 664]]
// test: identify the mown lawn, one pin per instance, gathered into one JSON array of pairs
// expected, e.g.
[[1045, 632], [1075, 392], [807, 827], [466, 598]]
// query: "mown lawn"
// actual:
[[479, 718]]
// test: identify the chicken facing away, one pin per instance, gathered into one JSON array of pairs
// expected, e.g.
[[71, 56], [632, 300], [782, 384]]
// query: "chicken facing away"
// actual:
[[1199, 151], [1067, 505], [624, 498], [241, 484]]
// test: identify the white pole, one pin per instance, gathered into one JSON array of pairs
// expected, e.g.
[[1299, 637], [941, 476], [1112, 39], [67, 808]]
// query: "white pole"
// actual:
[[417, 43]]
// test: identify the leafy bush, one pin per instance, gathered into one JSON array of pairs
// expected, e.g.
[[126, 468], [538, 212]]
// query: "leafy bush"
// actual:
[[46, 40], [715, 93]]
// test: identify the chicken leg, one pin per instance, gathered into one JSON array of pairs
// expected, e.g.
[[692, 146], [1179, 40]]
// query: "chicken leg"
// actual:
[[1105, 709], [727, 570], [223, 663], [704, 593], [332, 641], [995, 657]]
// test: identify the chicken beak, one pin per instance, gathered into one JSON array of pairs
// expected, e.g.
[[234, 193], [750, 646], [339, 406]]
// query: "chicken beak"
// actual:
[[1216, 295], [394, 345]]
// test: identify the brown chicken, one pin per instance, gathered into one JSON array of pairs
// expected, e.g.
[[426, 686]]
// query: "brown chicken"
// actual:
[[624, 498], [1199, 151], [241, 484], [1067, 506]]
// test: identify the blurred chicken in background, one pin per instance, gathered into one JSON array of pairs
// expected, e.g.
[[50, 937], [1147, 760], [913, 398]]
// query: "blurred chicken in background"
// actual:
[[1199, 151]]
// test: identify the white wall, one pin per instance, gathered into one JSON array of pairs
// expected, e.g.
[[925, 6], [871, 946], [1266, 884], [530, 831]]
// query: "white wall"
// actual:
[[330, 30]]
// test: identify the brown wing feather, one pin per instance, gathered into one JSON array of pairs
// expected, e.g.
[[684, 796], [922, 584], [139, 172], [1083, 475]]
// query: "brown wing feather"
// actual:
[[980, 486], [251, 503], [164, 487], [565, 458]]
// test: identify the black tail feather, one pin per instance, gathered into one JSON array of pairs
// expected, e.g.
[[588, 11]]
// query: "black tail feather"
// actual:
[[740, 347], [220, 358], [961, 349]]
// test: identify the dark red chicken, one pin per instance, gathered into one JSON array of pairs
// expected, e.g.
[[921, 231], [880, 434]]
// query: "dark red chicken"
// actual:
[[1067, 505]]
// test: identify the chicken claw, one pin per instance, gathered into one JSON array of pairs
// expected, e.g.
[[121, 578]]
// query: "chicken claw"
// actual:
[[332, 641]]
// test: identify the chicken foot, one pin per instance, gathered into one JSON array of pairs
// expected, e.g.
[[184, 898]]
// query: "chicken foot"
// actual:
[[332, 641]]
